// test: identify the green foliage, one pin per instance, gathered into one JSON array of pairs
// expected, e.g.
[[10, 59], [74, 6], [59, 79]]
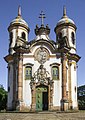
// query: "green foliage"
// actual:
[[81, 97], [3, 98]]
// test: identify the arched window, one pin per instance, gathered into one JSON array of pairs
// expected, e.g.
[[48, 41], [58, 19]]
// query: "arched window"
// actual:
[[11, 37], [23, 35], [28, 73], [55, 72], [59, 35], [73, 37]]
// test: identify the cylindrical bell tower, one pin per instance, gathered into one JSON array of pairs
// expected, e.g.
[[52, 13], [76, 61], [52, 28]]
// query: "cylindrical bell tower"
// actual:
[[17, 28], [66, 28]]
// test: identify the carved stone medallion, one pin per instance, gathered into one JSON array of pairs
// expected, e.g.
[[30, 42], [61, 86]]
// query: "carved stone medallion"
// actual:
[[41, 55]]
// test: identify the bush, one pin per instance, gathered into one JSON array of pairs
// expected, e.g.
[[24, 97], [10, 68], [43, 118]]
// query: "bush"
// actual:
[[3, 99], [81, 97]]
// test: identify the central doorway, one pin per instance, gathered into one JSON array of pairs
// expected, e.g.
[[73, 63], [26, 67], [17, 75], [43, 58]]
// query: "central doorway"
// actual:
[[41, 98]]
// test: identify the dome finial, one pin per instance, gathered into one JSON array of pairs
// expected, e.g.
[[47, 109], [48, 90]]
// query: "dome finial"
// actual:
[[42, 16], [64, 11], [19, 10]]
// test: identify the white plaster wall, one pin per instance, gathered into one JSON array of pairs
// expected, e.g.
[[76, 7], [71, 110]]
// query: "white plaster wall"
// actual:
[[20, 30], [10, 84], [36, 64], [66, 31], [74, 84], [14, 38], [67, 87], [26, 83], [33, 49], [19, 33], [45, 37], [28, 60], [73, 46], [70, 30], [57, 91], [26, 92], [75, 103]]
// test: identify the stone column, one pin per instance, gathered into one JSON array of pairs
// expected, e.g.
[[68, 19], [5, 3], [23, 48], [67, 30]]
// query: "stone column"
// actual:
[[33, 93], [69, 85], [64, 104], [20, 81], [50, 95], [14, 82]]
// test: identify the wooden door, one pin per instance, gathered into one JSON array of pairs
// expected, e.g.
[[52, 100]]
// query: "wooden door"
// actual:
[[41, 98]]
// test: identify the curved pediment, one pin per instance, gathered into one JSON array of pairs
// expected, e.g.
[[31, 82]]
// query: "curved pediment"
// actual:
[[49, 44]]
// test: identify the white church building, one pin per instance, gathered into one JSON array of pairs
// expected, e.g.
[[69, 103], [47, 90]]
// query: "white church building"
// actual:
[[42, 73]]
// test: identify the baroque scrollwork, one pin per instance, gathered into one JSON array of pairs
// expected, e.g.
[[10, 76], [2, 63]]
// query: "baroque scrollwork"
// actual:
[[41, 76]]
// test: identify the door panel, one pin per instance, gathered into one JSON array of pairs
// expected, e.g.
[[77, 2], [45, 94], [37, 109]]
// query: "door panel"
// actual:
[[41, 98], [39, 101]]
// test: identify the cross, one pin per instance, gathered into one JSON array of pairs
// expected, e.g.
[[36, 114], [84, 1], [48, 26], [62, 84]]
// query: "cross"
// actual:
[[42, 16]]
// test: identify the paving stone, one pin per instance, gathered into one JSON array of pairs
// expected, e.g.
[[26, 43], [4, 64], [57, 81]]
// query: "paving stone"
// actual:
[[43, 116]]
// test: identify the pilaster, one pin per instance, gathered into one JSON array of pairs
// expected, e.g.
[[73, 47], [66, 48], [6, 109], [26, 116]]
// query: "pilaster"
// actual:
[[64, 102], [20, 81], [69, 85], [50, 96], [14, 82], [33, 92]]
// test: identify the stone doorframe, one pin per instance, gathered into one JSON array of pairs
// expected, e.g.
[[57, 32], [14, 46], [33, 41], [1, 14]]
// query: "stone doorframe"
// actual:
[[50, 94]]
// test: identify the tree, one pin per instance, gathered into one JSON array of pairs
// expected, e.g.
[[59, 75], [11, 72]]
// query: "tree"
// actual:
[[3, 98], [81, 97]]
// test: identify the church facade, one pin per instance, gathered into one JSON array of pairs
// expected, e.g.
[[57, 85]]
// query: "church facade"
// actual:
[[42, 73]]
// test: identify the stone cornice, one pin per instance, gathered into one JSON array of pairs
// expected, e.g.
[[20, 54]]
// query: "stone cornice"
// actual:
[[8, 58], [65, 24], [21, 49], [55, 64], [16, 25], [28, 64], [74, 57]]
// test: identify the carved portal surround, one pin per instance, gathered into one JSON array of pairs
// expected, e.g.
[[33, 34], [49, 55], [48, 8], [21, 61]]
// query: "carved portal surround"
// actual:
[[41, 77]]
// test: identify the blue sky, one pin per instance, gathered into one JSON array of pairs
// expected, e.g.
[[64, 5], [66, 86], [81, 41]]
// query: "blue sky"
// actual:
[[30, 12]]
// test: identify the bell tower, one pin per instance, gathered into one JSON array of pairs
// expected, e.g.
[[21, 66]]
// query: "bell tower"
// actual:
[[18, 29], [66, 41], [66, 29], [18, 38]]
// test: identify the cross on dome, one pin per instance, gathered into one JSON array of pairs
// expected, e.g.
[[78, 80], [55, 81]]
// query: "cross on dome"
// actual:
[[19, 10], [64, 11], [42, 16]]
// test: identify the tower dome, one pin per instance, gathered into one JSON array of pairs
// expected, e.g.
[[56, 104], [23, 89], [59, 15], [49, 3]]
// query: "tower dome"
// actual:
[[19, 21], [65, 20]]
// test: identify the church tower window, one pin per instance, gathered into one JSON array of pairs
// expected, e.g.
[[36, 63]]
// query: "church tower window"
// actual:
[[73, 37], [55, 72], [11, 37], [23, 35], [28, 73], [59, 36]]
